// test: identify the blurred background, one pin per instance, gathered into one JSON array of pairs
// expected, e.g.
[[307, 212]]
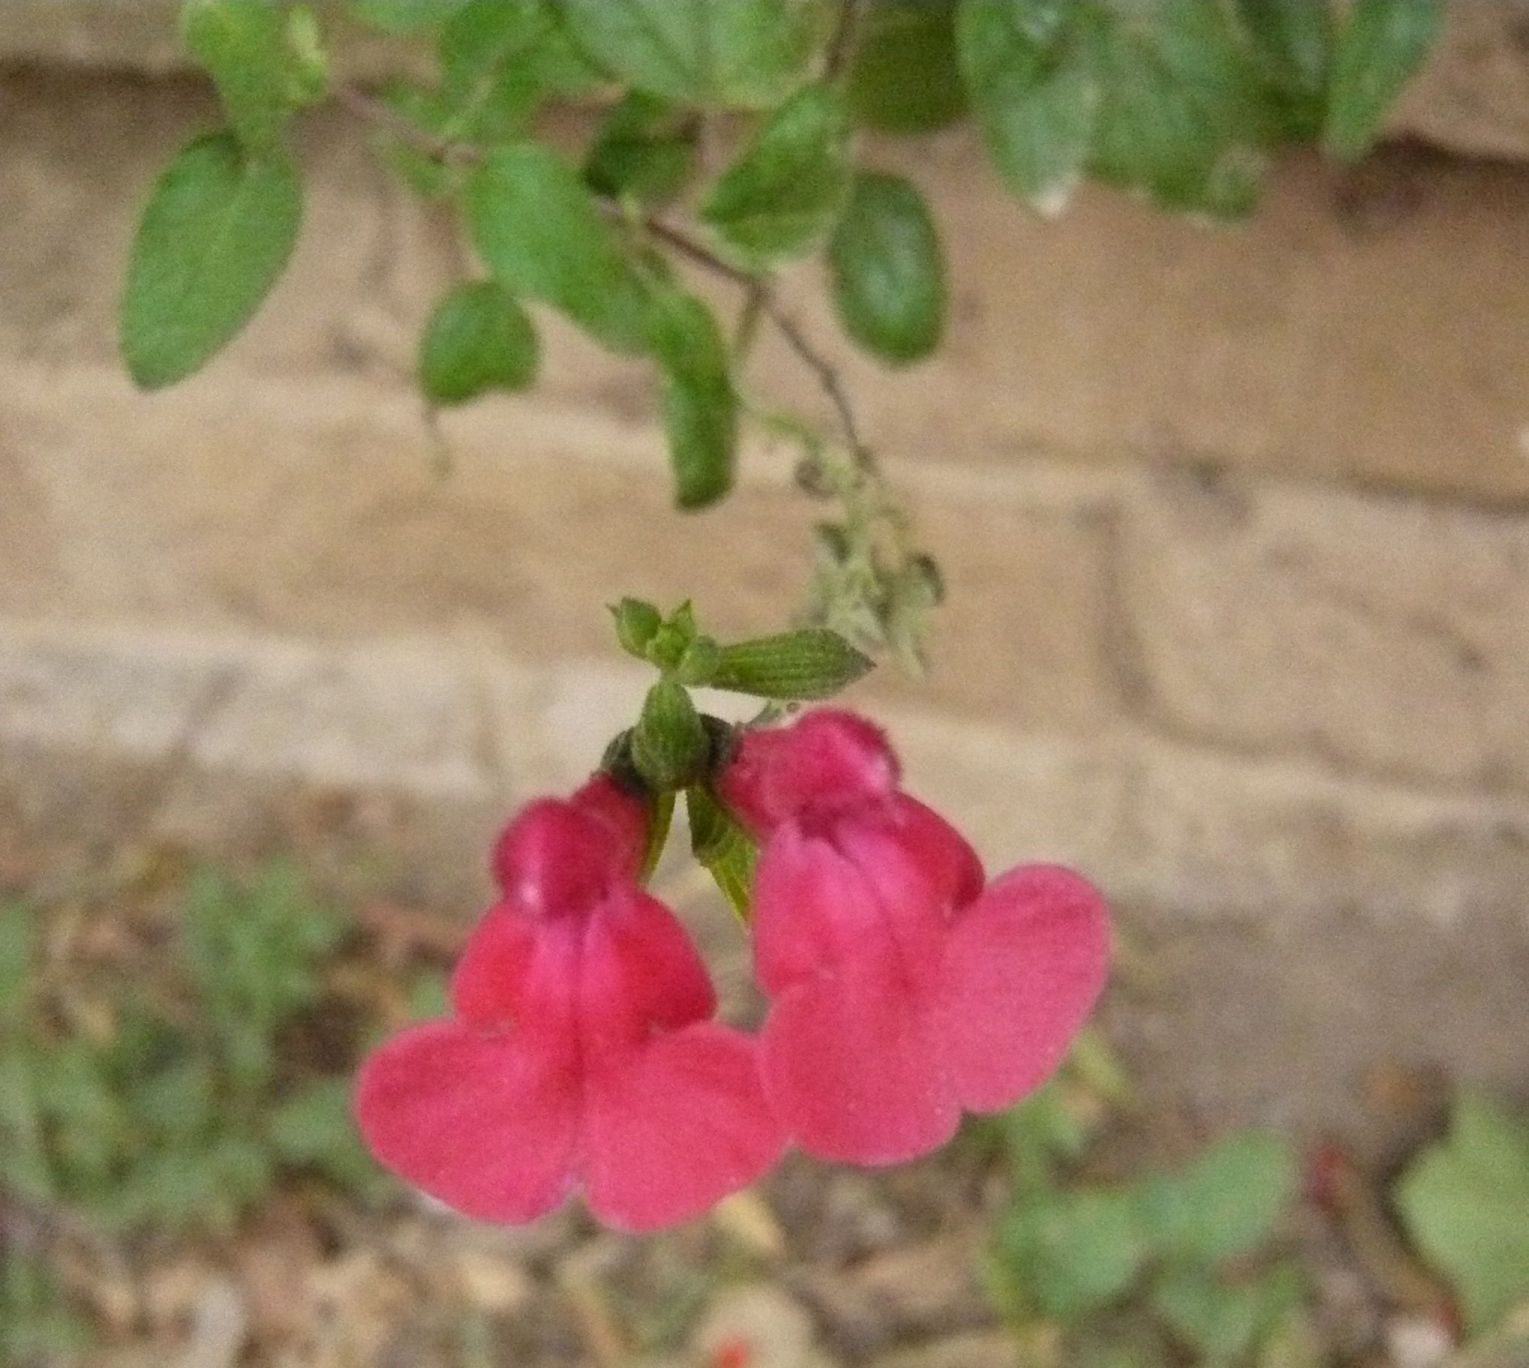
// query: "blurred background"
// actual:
[[1235, 527]]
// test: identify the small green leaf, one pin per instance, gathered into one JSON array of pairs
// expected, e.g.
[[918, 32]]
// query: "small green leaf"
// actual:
[[1032, 73], [1224, 1203], [810, 663], [669, 744], [539, 230], [1226, 1322], [637, 623], [747, 54], [1465, 1202], [786, 191], [888, 271], [215, 236], [1381, 46], [405, 16], [723, 847], [1293, 40], [243, 45], [644, 150], [18, 956], [904, 77], [1071, 1251], [700, 403], [478, 339], [311, 75]]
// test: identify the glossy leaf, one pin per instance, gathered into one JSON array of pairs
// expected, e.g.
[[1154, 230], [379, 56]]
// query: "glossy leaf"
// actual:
[[904, 77], [1032, 71], [699, 401], [810, 663], [217, 232], [786, 191], [242, 44], [1465, 1202], [541, 233], [1381, 46], [888, 271], [478, 339], [746, 54]]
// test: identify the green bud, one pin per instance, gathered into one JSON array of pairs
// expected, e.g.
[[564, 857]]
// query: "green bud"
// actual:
[[636, 623], [669, 743], [811, 663], [698, 665]]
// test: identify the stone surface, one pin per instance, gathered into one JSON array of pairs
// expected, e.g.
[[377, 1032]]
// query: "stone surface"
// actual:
[[1389, 634]]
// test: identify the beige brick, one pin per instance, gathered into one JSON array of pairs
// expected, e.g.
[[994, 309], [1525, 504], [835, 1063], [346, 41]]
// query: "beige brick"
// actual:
[[1387, 633]]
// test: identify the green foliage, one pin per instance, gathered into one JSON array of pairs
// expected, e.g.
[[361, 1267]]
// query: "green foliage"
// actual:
[[723, 847], [478, 339], [699, 402], [182, 1115], [730, 53], [217, 233], [243, 46], [540, 231], [809, 663], [783, 195], [1181, 1246], [37, 1324], [404, 16], [1465, 1202], [903, 76], [669, 744], [645, 150], [888, 270], [1382, 44]]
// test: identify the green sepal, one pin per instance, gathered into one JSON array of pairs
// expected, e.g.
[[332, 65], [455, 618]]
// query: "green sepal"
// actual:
[[669, 745], [724, 848]]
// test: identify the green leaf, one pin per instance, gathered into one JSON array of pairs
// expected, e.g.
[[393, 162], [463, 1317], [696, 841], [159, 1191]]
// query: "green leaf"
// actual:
[[405, 16], [644, 149], [1465, 1203], [478, 339], [1074, 1251], [1226, 1322], [313, 1129], [888, 271], [243, 45], [637, 623], [669, 744], [724, 848], [28, 1170], [748, 54], [812, 662], [1226, 1202], [699, 401], [1293, 40], [1032, 73], [904, 77], [786, 191], [540, 232], [1381, 46], [215, 236]]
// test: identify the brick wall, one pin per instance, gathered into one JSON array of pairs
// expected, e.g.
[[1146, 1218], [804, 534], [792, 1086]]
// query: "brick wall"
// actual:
[[1235, 523]]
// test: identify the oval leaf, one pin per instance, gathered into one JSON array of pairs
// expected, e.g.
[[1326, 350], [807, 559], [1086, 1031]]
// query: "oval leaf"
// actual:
[[478, 339], [904, 76], [787, 190], [1033, 83], [243, 45], [700, 403], [1382, 45], [888, 272], [215, 236], [811, 663], [749, 54], [541, 233], [644, 149]]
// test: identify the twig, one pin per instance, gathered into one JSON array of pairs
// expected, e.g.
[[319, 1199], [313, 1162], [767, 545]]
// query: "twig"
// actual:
[[365, 106], [841, 46]]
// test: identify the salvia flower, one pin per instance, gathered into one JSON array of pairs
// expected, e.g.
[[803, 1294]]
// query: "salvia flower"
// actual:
[[581, 1053], [903, 987]]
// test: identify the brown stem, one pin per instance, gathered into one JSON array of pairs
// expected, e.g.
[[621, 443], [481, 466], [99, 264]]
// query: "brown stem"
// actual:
[[841, 47]]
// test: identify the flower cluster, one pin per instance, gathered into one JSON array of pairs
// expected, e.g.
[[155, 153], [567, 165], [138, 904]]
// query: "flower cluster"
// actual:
[[903, 988]]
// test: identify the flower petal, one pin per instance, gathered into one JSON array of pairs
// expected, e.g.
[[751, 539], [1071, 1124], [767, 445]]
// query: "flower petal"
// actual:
[[853, 1066], [559, 855], [826, 760], [486, 1123], [675, 1126], [488, 982], [1023, 967]]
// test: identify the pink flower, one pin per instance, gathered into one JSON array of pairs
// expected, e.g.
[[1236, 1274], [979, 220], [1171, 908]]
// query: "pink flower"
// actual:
[[902, 989], [581, 1053]]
